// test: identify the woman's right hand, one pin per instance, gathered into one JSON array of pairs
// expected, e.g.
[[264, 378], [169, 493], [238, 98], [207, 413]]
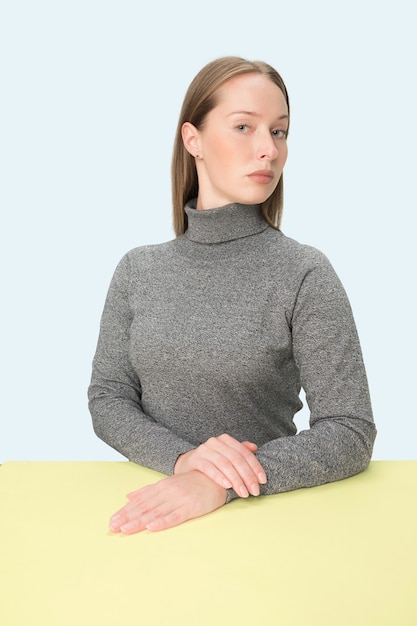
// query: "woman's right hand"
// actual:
[[228, 462]]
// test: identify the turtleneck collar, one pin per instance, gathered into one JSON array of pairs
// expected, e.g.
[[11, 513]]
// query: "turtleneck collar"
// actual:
[[226, 223]]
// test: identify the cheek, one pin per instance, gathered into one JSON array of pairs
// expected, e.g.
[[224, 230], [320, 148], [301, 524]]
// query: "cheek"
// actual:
[[222, 151]]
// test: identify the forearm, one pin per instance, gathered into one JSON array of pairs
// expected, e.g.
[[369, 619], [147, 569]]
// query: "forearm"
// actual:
[[121, 423], [328, 356], [333, 449]]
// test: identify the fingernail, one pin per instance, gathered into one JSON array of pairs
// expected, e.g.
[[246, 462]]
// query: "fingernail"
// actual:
[[243, 492], [114, 522], [262, 478], [114, 528], [255, 489], [226, 484], [126, 528]]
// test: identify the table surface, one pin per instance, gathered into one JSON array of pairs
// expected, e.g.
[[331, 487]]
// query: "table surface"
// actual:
[[340, 554]]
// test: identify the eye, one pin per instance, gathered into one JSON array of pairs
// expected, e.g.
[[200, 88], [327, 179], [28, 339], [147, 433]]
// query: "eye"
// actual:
[[242, 128], [281, 134]]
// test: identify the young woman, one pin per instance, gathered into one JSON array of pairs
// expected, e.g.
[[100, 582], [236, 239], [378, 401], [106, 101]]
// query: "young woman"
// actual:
[[206, 340]]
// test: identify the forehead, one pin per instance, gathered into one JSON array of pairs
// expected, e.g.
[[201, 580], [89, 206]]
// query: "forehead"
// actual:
[[251, 92]]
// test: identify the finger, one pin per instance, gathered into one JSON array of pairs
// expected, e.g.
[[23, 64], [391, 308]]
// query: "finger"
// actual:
[[135, 509], [170, 502], [132, 518], [174, 518], [198, 459], [251, 459], [255, 463], [117, 520], [237, 473], [232, 467], [145, 506], [134, 494], [240, 466], [250, 446], [210, 469], [135, 525], [159, 517]]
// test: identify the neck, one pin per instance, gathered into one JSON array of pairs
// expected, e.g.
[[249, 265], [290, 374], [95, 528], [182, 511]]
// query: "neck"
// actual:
[[233, 221]]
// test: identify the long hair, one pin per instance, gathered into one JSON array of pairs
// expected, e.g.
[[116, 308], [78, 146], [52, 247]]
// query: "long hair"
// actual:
[[200, 99]]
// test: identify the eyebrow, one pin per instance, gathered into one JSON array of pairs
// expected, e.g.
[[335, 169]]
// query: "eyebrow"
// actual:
[[254, 114]]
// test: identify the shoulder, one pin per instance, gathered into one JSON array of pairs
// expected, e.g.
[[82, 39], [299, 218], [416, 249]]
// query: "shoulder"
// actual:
[[304, 269], [301, 252], [295, 256], [146, 256], [141, 263], [150, 252]]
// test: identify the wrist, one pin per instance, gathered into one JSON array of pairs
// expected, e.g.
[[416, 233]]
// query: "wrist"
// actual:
[[219, 493], [177, 464], [179, 467]]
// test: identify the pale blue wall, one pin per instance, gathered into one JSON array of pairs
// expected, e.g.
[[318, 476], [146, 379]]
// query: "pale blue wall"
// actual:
[[91, 91]]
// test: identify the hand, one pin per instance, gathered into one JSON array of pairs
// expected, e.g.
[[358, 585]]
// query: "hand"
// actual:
[[167, 503], [228, 462]]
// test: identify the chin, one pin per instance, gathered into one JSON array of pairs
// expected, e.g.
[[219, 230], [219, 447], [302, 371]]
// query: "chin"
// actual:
[[256, 198], [257, 195]]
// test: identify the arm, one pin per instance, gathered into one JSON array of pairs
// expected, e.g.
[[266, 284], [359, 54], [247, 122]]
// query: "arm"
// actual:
[[328, 355], [338, 444], [119, 418], [115, 391]]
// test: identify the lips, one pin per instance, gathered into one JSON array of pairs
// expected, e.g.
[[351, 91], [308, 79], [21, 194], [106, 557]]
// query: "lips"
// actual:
[[262, 177]]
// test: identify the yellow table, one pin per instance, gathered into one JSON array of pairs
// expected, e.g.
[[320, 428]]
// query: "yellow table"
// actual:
[[340, 554]]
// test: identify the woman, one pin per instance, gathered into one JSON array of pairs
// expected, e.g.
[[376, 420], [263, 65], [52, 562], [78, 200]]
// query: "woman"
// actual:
[[206, 340]]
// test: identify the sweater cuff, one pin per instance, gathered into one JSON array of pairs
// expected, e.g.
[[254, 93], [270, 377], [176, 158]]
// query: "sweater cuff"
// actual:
[[231, 495]]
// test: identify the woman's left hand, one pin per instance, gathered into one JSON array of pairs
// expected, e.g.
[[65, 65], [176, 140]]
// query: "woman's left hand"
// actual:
[[168, 502]]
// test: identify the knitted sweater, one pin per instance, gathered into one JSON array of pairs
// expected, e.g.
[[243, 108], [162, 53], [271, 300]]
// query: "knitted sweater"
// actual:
[[215, 332]]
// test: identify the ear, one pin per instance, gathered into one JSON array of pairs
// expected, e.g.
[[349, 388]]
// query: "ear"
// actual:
[[191, 138]]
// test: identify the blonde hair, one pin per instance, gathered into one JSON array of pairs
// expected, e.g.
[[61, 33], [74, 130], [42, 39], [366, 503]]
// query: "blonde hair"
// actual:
[[200, 99]]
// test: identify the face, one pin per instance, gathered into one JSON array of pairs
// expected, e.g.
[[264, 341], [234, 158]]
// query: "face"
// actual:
[[242, 145]]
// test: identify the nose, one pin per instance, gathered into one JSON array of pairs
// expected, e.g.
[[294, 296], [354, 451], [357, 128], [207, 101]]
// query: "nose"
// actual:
[[266, 148]]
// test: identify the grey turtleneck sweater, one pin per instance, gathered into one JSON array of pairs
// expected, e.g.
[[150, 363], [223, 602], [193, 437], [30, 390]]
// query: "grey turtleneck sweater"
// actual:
[[215, 332]]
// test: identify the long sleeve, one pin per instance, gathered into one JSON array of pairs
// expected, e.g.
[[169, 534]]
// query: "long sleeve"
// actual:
[[216, 332], [328, 355], [115, 390]]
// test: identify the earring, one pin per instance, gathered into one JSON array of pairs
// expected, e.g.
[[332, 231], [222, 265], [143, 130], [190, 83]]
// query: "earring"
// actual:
[[197, 156]]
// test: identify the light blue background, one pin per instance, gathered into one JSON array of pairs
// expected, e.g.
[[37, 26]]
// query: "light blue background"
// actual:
[[90, 95]]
